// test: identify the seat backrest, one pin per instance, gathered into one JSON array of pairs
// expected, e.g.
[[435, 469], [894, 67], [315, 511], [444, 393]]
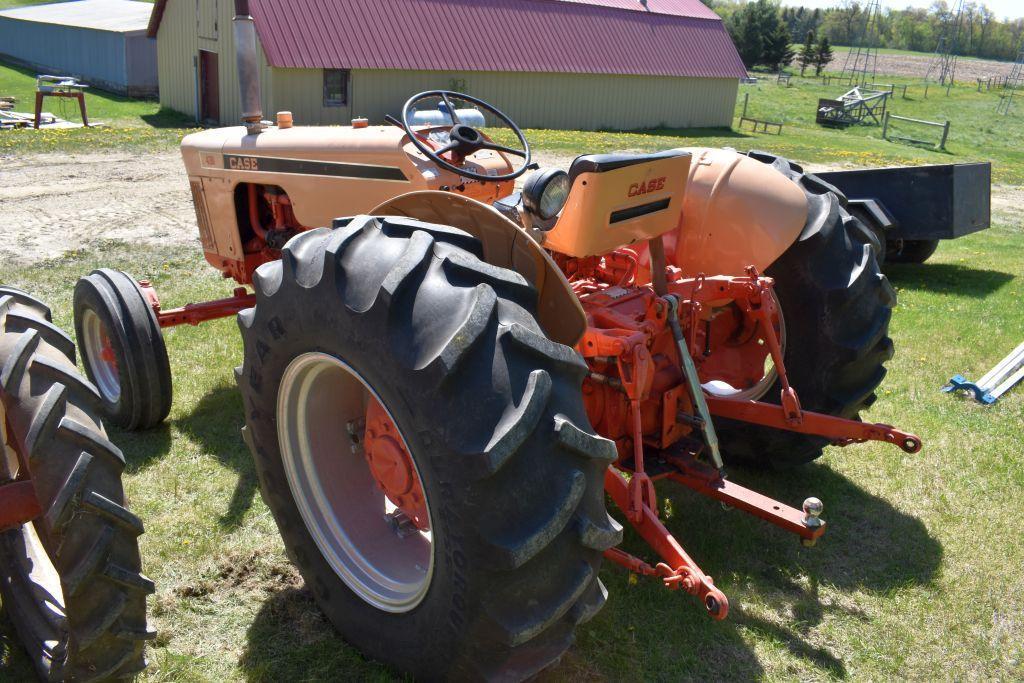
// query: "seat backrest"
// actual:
[[618, 199]]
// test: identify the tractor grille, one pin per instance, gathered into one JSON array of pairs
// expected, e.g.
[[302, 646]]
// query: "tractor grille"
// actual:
[[202, 216]]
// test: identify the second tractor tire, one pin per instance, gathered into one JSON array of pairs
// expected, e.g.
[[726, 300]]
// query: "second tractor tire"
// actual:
[[71, 580], [112, 313], [492, 413], [836, 304]]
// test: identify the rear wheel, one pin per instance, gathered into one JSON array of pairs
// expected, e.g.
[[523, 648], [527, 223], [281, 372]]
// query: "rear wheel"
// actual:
[[70, 580], [836, 305], [424, 449], [123, 349], [911, 251]]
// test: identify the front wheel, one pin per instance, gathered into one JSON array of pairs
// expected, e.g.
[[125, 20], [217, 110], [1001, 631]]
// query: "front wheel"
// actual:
[[123, 349], [836, 306], [425, 450]]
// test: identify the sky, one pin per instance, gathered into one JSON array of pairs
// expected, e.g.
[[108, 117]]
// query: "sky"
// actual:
[[1002, 8]]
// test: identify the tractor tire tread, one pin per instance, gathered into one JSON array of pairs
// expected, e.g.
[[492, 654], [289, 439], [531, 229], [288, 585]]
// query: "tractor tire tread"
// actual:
[[536, 553], [77, 473], [837, 332], [144, 371]]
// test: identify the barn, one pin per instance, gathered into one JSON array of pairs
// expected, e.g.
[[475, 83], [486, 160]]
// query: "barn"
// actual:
[[102, 42], [566, 64]]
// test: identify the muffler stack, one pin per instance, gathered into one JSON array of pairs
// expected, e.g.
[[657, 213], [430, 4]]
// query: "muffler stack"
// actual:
[[248, 67]]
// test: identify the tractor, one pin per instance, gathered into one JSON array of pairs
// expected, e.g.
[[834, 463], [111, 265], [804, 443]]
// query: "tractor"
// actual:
[[70, 568], [441, 385]]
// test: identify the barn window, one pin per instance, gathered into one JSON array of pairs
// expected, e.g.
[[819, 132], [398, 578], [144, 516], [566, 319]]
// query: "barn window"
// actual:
[[335, 87]]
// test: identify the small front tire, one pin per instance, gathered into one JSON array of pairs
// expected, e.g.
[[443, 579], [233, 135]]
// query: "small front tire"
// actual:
[[123, 349]]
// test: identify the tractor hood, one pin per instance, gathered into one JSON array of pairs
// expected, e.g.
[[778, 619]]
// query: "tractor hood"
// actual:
[[331, 171]]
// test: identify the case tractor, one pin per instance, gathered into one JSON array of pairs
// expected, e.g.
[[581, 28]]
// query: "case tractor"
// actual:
[[442, 385]]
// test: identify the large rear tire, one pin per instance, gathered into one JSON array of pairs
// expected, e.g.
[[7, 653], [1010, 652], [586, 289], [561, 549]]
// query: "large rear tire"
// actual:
[[123, 349], [70, 580], [492, 414], [836, 304]]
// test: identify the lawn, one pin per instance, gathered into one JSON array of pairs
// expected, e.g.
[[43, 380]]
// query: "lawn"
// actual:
[[127, 123], [918, 577]]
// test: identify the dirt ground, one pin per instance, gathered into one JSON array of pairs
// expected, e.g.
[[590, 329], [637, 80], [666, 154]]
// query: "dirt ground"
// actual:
[[967, 70], [52, 204]]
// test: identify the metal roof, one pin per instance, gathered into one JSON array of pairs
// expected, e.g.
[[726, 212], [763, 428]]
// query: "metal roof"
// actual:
[[120, 16], [677, 8], [659, 38], [561, 36]]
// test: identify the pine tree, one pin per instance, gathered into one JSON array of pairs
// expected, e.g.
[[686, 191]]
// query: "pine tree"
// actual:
[[748, 34], [823, 55], [808, 55], [778, 48]]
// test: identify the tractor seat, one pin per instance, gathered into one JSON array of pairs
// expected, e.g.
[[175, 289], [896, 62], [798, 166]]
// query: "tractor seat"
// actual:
[[600, 163]]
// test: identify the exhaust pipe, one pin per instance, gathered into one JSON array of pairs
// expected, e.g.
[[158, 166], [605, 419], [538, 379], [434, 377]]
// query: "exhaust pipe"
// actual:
[[248, 67]]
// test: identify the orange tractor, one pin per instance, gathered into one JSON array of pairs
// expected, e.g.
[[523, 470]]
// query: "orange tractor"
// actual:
[[441, 387]]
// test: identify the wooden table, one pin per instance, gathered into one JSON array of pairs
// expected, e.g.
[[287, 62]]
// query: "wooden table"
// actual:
[[79, 95]]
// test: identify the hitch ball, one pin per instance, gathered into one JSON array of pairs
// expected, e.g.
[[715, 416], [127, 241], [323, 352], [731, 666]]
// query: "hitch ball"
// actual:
[[812, 518], [812, 512]]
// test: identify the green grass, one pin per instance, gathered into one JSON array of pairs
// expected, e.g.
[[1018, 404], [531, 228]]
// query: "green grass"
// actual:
[[918, 577], [128, 123], [977, 133]]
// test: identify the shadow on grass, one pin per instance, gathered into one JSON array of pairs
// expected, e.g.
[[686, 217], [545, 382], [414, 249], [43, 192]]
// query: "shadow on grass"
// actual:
[[947, 278], [168, 118], [870, 547], [141, 449], [14, 662], [686, 132], [216, 423], [290, 639]]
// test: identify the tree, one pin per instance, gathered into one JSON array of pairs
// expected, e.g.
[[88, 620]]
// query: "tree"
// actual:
[[778, 48], [761, 35], [823, 55], [747, 34], [808, 54]]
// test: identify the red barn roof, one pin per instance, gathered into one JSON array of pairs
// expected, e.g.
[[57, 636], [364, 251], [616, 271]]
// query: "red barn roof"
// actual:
[[661, 38]]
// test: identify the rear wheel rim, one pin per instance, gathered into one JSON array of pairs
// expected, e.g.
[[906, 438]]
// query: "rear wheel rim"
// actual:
[[321, 404], [100, 352]]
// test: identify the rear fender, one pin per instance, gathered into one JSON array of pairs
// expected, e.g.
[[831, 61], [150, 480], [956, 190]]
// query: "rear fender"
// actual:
[[505, 245], [738, 212]]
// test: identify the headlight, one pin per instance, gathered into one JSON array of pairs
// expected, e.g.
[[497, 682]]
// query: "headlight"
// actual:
[[545, 192]]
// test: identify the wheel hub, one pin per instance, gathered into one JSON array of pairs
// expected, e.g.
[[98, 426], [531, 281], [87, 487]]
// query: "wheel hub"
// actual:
[[392, 466], [100, 352]]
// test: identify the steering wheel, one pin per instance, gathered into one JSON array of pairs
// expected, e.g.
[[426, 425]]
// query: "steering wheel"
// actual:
[[463, 139]]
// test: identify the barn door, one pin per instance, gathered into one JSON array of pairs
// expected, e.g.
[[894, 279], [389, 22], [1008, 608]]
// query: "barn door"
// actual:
[[209, 87], [207, 19]]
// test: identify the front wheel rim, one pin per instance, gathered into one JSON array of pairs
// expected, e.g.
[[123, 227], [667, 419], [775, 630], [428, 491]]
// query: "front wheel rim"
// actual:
[[100, 353], [320, 405]]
